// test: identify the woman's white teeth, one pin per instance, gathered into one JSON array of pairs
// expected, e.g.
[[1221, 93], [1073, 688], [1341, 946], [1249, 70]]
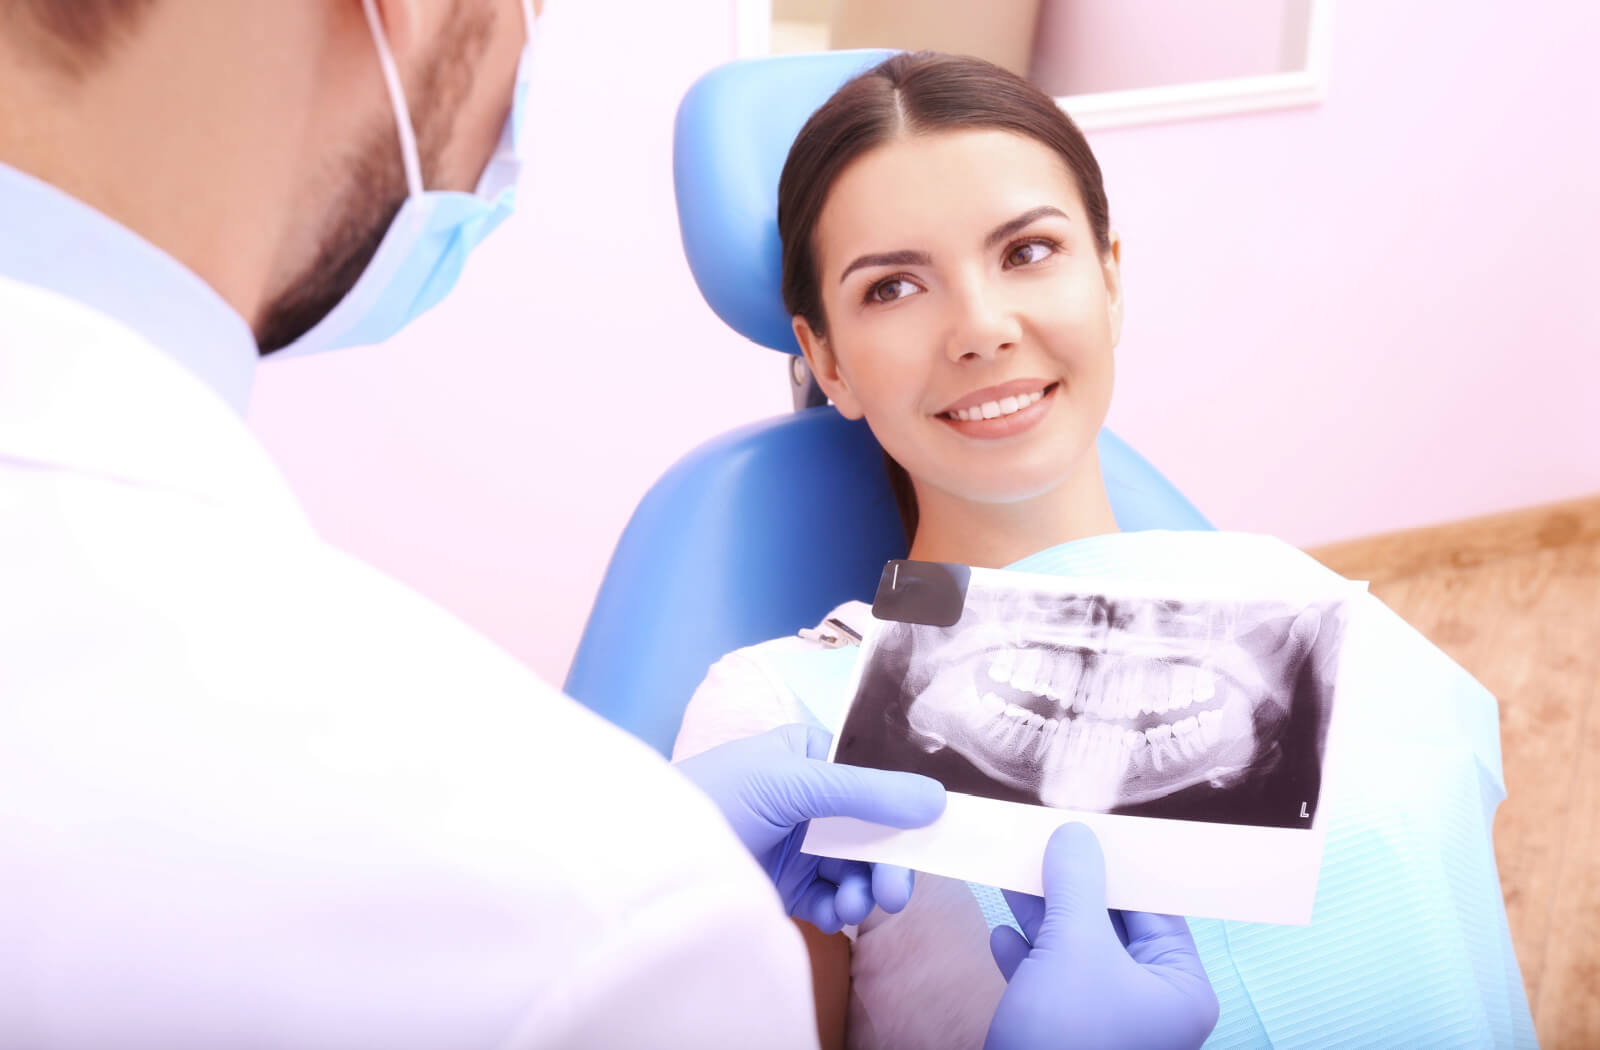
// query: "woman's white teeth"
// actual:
[[1005, 406]]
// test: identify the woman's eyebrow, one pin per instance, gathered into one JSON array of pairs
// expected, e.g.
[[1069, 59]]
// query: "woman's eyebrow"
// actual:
[[1006, 229], [908, 257], [904, 257]]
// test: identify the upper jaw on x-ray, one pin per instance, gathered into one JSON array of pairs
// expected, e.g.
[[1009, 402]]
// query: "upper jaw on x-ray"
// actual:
[[1096, 703]]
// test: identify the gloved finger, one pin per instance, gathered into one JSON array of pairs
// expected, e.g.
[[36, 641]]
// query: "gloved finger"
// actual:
[[1009, 948], [852, 901], [810, 788], [818, 742], [1027, 909], [815, 906], [891, 886], [1074, 886], [834, 868], [1162, 940], [1118, 925]]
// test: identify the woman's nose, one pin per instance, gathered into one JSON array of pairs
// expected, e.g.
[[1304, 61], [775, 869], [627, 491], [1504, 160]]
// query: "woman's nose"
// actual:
[[982, 325]]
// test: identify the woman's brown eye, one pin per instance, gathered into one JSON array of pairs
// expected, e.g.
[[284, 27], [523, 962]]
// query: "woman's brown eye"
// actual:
[[1032, 251], [888, 291]]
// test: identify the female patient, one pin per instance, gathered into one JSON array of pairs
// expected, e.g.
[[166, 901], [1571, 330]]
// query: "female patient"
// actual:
[[953, 278]]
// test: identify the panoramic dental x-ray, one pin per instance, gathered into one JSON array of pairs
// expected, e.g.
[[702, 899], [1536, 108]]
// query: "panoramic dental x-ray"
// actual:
[[1110, 701]]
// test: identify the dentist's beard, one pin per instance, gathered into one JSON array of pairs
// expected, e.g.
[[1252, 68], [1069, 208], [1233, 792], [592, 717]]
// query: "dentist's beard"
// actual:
[[374, 188], [373, 195]]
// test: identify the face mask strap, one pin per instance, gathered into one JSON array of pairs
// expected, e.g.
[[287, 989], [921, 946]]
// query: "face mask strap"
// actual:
[[397, 98]]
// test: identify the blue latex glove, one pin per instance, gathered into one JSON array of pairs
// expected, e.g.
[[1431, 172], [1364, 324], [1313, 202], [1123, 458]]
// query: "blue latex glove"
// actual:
[[1086, 977], [769, 786]]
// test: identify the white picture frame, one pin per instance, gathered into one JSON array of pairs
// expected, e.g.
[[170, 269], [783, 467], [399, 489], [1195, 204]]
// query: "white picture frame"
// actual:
[[1306, 86]]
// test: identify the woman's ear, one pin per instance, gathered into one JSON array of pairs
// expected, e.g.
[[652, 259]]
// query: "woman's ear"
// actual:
[[825, 366], [1111, 268]]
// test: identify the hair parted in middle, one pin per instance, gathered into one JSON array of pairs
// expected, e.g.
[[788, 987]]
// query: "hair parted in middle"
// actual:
[[913, 93]]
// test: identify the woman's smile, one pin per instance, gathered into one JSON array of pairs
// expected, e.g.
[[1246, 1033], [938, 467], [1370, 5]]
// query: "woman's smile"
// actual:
[[1001, 412]]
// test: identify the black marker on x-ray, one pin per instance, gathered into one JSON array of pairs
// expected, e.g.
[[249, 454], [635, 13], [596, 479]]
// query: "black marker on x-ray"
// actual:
[[933, 593]]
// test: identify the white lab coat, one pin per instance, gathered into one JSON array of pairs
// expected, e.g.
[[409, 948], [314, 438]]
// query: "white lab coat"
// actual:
[[254, 793]]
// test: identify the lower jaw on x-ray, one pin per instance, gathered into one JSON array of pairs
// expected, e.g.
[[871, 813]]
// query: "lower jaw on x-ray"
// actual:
[[1158, 708]]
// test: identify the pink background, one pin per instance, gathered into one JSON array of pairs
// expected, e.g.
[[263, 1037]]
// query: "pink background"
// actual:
[[1367, 315]]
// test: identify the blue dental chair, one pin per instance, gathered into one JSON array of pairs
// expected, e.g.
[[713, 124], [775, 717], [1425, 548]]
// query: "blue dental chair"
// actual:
[[761, 531]]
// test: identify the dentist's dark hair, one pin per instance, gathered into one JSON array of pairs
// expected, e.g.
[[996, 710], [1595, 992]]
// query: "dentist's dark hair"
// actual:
[[71, 35], [913, 93]]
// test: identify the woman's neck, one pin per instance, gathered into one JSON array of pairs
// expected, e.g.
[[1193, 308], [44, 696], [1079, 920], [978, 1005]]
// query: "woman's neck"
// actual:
[[993, 535]]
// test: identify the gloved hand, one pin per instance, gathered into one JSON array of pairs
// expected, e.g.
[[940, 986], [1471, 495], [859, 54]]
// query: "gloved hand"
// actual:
[[769, 786], [1086, 977]]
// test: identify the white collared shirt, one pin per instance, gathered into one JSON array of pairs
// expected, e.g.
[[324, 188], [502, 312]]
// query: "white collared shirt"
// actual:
[[254, 793]]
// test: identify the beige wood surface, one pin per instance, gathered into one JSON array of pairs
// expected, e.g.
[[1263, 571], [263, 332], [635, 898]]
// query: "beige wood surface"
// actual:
[[1515, 599], [998, 30]]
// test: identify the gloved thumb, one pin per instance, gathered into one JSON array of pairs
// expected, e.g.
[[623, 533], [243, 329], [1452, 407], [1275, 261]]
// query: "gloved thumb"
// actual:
[[815, 788], [1074, 888], [1009, 948]]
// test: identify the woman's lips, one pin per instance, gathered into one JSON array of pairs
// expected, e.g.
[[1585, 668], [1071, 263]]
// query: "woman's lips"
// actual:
[[1014, 388], [1020, 417]]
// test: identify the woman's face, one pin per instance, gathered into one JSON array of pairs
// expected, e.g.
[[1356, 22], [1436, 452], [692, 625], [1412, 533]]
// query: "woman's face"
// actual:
[[971, 318]]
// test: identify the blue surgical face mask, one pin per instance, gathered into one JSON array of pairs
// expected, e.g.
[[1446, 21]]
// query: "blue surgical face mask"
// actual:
[[431, 236]]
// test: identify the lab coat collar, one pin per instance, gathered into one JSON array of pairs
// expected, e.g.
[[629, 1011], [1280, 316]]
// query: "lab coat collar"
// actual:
[[82, 393], [57, 242]]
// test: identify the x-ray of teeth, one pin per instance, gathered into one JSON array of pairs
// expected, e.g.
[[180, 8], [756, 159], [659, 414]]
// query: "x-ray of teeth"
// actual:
[[1206, 710]]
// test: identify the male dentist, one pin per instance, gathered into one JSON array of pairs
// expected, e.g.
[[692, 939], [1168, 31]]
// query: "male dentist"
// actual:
[[253, 793]]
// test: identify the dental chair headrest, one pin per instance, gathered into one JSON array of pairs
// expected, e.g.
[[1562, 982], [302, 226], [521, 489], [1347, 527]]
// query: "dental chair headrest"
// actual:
[[733, 133]]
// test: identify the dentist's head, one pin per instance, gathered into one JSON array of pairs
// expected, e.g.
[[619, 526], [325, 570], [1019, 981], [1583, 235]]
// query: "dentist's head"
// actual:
[[324, 164]]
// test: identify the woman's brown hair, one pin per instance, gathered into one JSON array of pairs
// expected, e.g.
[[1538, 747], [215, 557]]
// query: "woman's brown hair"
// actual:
[[913, 93]]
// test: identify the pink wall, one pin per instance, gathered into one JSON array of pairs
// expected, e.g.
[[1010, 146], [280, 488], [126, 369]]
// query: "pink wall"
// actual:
[[1379, 312], [1372, 314]]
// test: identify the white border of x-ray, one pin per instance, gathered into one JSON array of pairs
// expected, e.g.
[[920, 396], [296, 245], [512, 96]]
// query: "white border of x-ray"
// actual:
[[1180, 867], [1306, 86]]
